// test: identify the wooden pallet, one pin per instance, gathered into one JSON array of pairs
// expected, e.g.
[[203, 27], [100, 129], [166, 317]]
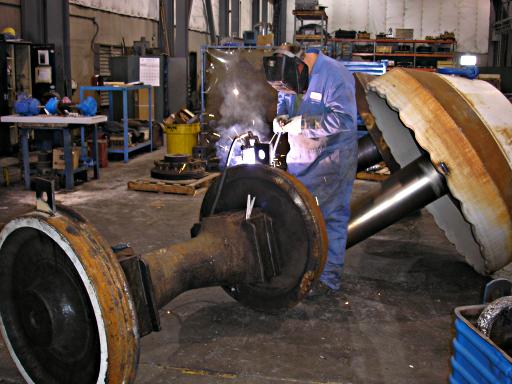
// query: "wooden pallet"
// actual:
[[179, 187]]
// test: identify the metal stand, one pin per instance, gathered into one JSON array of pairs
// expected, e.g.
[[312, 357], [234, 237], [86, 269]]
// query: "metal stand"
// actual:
[[125, 89]]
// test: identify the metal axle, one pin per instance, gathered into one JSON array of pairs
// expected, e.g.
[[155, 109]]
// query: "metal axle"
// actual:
[[225, 252], [407, 190], [367, 153]]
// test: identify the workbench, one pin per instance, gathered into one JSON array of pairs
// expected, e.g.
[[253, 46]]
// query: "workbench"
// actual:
[[61, 123]]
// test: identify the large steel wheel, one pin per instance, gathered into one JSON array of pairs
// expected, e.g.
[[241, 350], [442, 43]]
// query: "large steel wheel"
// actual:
[[65, 312], [298, 226]]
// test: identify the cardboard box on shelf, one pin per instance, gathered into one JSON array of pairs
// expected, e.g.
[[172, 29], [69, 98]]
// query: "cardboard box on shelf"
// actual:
[[384, 49], [265, 39], [58, 158], [404, 33]]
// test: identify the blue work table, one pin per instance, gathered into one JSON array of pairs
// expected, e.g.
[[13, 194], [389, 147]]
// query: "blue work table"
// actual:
[[124, 89], [61, 123]]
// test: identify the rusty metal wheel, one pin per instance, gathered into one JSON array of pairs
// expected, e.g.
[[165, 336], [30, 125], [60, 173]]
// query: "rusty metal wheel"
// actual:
[[65, 312], [298, 224]]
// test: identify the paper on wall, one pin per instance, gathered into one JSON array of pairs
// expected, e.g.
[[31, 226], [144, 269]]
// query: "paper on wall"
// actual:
[[149, 71]]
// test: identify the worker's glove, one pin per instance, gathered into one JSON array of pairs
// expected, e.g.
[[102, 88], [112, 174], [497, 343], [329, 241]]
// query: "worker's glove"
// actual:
[[279, 122], [294, 125]]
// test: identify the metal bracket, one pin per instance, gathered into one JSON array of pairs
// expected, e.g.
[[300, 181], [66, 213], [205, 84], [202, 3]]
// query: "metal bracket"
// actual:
[[497, 288], [261, 230], [141, 287], [45, 195]]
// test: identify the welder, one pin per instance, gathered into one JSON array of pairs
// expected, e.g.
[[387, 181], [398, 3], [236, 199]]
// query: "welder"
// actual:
[[317, 108]]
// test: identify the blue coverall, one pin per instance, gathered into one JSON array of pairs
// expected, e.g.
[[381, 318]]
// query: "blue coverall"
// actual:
[[324, 155]]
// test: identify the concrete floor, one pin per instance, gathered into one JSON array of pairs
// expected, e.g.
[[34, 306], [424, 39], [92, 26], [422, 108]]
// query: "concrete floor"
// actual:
[[391, 324]]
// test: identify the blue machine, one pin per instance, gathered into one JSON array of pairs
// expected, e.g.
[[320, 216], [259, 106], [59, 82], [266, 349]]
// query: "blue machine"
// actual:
[[470, 72], [27, 106], [88, 107], [52, 106]]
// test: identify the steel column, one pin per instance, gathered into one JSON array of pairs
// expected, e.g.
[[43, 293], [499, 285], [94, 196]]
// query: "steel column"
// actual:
[[57, 33], [235, 18], [279, 22], [223, 18], [182, 20], [210, 21], [47, 22], [33, 20], [166, 24], [255, 12], [264, 11]]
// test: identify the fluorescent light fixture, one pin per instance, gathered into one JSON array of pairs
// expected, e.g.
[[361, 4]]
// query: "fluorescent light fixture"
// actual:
[[468, 60]]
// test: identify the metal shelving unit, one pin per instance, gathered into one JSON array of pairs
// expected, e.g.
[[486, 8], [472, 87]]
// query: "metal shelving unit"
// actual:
[[350, 45], [124, 89], [316, 15]]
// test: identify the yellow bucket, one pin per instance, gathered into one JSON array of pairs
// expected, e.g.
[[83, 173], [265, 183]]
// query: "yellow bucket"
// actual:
[[181, 138]]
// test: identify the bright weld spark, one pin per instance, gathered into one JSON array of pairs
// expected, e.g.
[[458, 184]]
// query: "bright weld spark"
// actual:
[[236, 92]]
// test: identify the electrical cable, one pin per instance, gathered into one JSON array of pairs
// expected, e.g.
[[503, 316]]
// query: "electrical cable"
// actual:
[[224, 172]]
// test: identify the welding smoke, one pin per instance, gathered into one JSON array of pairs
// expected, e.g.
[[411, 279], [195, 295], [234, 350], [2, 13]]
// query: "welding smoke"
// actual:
[[243, 90]]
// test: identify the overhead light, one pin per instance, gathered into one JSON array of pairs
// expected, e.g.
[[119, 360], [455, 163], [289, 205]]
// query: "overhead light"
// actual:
[[468, 60]]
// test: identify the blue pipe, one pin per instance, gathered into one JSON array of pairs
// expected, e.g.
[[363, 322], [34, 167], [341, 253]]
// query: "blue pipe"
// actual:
[[470, 72]]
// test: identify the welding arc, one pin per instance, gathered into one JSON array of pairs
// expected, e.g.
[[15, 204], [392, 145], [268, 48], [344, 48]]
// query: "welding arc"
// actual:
[[223, 176]]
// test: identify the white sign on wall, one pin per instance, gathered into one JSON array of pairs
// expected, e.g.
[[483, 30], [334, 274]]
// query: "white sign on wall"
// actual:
[[149, 71]]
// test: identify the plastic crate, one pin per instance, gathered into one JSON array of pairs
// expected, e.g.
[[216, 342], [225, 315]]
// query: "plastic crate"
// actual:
[[476, 359]]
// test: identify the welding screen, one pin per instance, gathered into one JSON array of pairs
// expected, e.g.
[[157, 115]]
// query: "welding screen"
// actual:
[[236, 89]]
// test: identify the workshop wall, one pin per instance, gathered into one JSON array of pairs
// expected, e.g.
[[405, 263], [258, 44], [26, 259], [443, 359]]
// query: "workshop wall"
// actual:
[[198, 21], [469, 19], [138, 8], [10, 15], [112, 29]]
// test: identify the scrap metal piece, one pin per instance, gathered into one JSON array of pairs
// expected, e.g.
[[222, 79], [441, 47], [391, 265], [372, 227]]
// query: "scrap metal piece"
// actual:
[[494, 314], [179, 167], [465, 127]]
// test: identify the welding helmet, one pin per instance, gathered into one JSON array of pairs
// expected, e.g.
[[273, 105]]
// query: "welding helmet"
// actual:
[[286, 72]]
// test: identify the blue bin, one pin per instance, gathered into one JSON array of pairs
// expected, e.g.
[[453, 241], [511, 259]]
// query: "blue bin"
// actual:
[[476, 359]]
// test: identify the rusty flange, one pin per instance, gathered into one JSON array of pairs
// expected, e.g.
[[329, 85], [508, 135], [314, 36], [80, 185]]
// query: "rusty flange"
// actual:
[[64, 247], [465, 126]]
